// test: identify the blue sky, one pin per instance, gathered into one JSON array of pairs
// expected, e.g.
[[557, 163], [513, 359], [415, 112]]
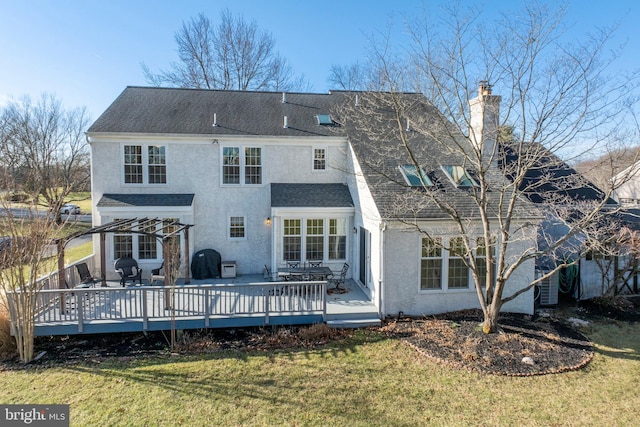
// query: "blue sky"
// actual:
[[86, 52]]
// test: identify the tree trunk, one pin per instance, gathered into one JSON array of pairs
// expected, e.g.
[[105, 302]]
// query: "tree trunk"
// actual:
[[490, 323]]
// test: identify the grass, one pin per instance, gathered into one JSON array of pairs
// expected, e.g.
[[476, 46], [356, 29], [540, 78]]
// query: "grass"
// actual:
[[366, 381]]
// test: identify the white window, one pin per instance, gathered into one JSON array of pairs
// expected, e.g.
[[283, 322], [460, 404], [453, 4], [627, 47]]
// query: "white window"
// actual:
[[144, 164], [319, 159], [458, 270], [292, 240], [446, 268], [310, 239], [237, 228], [241, 165], [143, 246], [431, 263]]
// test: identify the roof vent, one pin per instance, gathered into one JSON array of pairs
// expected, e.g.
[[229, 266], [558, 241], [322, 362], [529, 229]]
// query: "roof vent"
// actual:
[[286, 123], [284, 97], [215, 120], [357, 100]]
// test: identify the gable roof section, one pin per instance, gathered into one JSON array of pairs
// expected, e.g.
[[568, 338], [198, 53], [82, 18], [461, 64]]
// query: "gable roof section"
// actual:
[[149, 110], [310, 196], [549, 179], [139, 200]]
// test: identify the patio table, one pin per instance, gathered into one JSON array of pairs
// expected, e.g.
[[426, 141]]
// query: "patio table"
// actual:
[[324, 272]]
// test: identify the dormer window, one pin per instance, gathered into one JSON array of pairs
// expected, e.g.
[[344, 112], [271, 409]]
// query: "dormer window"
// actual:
[[415, 177], [459, 176], [324, 119]]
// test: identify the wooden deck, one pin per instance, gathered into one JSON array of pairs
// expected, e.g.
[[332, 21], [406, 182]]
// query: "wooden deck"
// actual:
[[215, 303]]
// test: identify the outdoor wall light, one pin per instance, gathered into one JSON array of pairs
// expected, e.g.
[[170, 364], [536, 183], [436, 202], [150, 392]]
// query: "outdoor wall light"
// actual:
[[268, 220]]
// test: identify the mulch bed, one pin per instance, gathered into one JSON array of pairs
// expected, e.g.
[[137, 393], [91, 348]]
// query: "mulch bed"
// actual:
[[524, 346]]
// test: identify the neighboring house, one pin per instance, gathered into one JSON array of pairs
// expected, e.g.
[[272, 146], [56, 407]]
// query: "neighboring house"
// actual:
[[551, 181], [627, 186], [270, 177]]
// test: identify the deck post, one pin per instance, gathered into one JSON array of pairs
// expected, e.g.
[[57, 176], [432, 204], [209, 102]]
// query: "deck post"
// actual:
[[103, 261], [266, 307], [323, 296], [80, 311], [187, 278], [207, 307], [145, 319]]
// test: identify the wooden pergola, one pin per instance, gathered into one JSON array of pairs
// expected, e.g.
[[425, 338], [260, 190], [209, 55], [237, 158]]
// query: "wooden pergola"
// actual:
[[171, 229]]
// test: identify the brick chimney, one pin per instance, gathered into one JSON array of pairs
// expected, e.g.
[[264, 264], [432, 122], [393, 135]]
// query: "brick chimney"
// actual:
[[484, 115]]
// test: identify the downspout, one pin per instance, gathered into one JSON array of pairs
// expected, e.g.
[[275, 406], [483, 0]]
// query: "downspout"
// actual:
[[381, 308]]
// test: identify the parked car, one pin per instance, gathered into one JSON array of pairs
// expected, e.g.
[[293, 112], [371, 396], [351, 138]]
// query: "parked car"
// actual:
[[70, 209]]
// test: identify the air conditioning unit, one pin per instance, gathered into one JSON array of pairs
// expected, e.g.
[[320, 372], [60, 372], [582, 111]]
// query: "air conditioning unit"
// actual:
[[549, 291]]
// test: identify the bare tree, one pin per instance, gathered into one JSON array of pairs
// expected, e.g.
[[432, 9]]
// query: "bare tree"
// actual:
[[235, 55], [23, 259], [44, 150], [557, 101]]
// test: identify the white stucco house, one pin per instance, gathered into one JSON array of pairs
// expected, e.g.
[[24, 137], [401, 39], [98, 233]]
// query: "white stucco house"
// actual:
[[269, 177]]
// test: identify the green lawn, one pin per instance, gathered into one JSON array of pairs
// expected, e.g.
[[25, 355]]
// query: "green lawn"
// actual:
[[369, 380]]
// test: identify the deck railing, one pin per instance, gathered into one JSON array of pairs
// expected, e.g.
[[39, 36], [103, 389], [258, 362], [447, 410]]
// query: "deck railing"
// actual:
[[204, 302]]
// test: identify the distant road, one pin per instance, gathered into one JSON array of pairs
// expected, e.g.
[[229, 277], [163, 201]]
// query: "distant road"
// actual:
[[28, 213]]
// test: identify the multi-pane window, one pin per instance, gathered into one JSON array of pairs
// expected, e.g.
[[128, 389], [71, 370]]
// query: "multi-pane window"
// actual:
[[147, 245], [253, 165], [431, 263], [236, 227], [292, 240], [145, 164], [122, 245], [315, 239], [144, 246], [133, 173], [458, 270], [157, 164], [231, 165], [319, 159], [245, 168], [338, 238]]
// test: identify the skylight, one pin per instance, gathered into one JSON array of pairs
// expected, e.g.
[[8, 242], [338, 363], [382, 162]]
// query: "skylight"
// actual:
[[324, 119], [410, 173], [459, 176]]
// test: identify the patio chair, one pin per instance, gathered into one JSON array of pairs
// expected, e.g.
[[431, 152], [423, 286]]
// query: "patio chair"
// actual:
[[314, 264], [86, 279], [339, 280], [156, 276], [128, 269], [269, 275]]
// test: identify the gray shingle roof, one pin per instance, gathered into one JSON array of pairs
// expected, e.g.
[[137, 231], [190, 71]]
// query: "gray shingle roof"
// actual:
[[380, 149], [310, 196], [128, 200], [191, 112]]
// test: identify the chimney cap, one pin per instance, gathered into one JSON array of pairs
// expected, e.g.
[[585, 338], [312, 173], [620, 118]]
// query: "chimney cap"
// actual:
[[484, 88]]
